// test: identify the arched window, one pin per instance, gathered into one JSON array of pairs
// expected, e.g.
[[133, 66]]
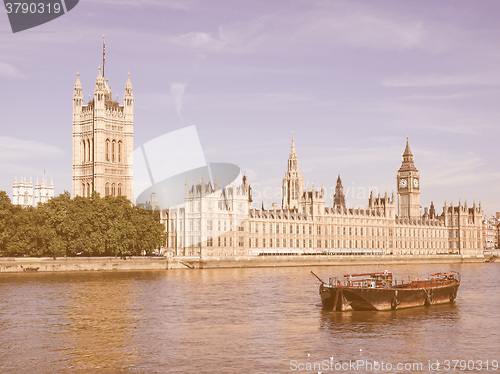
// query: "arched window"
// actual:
[[84, 151], [113, 151], [88, 149], [119, 189], [120, 151], [107, 150], [113, 189], [106, 189], [83, 189], [88, 190]]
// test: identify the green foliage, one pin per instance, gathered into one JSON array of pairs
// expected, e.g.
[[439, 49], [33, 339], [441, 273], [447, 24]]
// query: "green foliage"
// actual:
[[95, 226]]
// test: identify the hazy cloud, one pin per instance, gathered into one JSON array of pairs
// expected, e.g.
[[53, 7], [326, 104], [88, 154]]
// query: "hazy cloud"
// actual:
[[202, 40], [10, 71], [432, 80], [13, 149], [362, 28], [177, 91], [172, 4]]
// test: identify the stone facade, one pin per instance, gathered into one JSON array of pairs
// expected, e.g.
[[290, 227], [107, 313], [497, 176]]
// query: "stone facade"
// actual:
[[103, 141], [22, 192], [491, 232], [44, 191], [217, 221], [212, 220]]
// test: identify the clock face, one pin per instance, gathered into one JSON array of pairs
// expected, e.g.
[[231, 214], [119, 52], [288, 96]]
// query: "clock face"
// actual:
[[403, 183], [415, 183]]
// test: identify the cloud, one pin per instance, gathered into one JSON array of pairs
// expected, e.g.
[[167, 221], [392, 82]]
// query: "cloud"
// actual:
[[13, 149], [453, 169], [177, 91], [459, 130], [10, 71], [202, 40], [434, 80], [360, 27], [346, 25], [171, 4]]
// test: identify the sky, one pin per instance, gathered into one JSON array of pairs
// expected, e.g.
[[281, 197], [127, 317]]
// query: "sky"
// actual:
[[351, 79]]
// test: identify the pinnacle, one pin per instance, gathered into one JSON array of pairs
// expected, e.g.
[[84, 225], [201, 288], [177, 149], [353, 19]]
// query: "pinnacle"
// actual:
[[77, 83], [339, 181], [407, 151]]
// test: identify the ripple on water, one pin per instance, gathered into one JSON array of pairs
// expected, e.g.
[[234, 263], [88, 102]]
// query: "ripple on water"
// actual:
[[229, 320]]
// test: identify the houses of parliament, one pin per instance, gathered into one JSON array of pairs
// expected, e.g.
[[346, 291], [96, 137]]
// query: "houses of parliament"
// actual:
[[219, 221]]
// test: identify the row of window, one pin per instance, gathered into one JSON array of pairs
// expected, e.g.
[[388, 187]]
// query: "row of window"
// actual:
[[86, 150], [223, 226], [114, 150], [369, 231], [318, 244], [111, 189], [87, 189]]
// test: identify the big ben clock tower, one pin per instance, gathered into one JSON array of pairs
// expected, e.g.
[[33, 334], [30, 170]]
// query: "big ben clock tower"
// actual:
[[408, 187]]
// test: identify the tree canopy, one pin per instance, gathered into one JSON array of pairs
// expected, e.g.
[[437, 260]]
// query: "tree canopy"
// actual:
[[87, 226]]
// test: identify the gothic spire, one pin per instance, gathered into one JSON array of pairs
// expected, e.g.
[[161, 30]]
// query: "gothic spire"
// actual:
[[339, 197], [293, 183], [407, 164], [407, 151], [77, 92], [339, 181], [293, 160], [128, 84], [77, 83]]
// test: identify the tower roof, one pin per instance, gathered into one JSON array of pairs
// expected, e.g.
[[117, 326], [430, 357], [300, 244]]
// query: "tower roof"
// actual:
[[77, 83], [407, 164], [129, 83], [293, 156], [339, 181], [292, 151], [407, 151]]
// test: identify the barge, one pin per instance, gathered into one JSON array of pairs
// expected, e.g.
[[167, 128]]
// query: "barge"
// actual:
[[379, 291]]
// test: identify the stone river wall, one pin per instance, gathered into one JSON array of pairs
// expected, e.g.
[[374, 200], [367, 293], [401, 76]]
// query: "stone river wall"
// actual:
[[31, 265]]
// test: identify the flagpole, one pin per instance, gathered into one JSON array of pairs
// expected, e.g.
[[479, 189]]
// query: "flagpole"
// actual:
[[103, 55]]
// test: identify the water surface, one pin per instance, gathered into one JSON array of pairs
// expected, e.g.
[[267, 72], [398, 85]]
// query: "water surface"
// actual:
[[263, 320]]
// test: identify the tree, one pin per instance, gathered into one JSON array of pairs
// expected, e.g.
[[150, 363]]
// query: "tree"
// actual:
[[5, 222], [89, 226]]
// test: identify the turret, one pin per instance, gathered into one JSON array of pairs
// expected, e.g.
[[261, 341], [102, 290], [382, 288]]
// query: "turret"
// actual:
[[77, 94], [432, 211], [293, 183], [339, 197], [128, 100], [100, 92], [77, 98]]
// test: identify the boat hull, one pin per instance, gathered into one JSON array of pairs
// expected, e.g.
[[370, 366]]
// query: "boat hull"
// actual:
[[338, 298]]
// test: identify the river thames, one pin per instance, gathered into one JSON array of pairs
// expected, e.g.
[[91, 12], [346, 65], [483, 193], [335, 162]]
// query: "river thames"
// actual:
[[261, 320]]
